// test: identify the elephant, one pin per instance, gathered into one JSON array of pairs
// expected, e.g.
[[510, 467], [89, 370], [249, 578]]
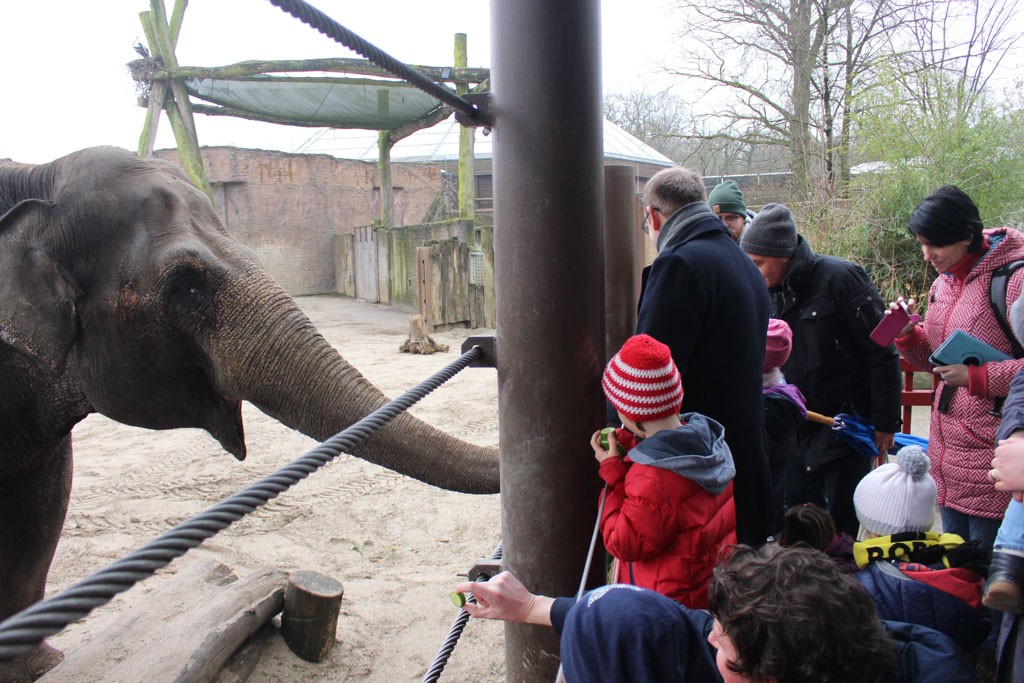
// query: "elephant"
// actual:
[[123, 293]]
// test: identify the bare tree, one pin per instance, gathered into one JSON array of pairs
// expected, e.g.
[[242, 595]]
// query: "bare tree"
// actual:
[[787, 73], [657, 118], [664, 121], [961, 46]]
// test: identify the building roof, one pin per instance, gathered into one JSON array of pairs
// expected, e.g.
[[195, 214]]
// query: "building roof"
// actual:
[[441, 143]]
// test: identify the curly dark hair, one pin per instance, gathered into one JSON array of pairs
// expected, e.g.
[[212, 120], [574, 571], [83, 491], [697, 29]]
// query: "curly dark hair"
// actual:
[[807, 523], [793, 617]]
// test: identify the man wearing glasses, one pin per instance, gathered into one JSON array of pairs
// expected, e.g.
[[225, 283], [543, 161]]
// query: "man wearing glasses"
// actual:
[[704, 298], [726, 201]]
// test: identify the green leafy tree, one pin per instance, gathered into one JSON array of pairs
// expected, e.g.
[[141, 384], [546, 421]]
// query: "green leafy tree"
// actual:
[[920, 136]]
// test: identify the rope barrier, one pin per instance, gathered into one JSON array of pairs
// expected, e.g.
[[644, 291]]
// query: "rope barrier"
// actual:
[[316, 19], [444, 653], [24, 630]]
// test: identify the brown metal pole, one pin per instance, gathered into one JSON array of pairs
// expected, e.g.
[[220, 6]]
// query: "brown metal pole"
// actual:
[[622, 244], [549, 257]]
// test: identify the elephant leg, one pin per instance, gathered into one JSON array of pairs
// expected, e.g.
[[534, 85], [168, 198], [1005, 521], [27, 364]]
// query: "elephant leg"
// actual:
[[32, 509]]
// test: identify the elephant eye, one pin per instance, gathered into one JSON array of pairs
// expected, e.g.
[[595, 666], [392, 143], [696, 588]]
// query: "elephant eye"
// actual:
[[186, 287]]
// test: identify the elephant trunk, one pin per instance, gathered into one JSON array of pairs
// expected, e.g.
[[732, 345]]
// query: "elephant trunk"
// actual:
[[265, 350]]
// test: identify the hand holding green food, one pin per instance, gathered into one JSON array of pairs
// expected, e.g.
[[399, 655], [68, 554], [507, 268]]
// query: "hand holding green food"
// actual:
[[604, 444], [504, 597]]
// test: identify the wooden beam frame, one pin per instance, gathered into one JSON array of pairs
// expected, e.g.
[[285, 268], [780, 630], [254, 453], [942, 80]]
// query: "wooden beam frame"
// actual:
[[162, 36]]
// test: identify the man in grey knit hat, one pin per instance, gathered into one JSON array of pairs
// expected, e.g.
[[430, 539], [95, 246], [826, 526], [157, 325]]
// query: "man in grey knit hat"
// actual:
[[831, 306]]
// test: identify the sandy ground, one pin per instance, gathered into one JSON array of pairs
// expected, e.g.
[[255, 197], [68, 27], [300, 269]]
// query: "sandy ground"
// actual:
[[397, 545]]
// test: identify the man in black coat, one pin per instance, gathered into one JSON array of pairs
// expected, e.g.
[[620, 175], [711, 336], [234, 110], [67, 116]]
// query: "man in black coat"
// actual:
[[705, 299], [831, 306]]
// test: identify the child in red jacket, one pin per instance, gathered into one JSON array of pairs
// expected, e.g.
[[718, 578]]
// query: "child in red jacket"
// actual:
[[668, 509]]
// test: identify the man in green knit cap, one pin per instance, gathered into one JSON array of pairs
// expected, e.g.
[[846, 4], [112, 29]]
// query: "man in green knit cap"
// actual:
[[726, 201]]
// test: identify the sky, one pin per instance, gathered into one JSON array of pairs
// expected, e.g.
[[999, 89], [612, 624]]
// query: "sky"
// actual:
[[67, 86]]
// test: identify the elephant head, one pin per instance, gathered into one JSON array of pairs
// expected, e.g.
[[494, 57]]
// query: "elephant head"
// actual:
[[124, 294]]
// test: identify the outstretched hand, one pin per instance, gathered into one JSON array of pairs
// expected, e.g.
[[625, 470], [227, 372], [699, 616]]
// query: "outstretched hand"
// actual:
[[505, 598]]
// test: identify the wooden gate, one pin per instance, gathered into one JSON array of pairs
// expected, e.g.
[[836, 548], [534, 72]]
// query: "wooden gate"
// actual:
[[443, 272], [366, 264]]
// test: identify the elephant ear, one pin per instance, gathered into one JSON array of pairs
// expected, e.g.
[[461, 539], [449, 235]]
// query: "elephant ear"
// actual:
[[38, 315]]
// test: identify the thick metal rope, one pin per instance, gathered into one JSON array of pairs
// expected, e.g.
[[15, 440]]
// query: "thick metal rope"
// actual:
[[444, 653], [329, 27], [21, 632]]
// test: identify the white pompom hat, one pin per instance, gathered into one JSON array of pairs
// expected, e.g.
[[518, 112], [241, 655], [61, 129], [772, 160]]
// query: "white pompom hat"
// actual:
[[897, 496]]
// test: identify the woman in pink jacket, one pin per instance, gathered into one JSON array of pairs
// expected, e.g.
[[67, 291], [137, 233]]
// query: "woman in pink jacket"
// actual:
[[965, 408]]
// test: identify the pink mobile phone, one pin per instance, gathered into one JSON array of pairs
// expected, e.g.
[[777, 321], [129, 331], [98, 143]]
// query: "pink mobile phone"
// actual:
[[887, 330]]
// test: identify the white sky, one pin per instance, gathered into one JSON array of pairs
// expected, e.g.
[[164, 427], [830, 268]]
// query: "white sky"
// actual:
[[66, 84]]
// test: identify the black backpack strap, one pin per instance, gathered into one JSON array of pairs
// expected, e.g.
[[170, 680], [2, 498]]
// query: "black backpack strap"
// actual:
[[997, 297]]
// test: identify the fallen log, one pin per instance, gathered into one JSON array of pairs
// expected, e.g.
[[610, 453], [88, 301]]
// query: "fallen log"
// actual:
[[185, 631], [243, 663]]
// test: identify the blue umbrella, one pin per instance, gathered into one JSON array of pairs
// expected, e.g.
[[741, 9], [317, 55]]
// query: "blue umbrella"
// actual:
[[909, 440], [856, 432], [859, 434]]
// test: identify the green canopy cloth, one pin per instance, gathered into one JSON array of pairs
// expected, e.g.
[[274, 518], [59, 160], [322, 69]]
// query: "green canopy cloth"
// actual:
[[368, 103]]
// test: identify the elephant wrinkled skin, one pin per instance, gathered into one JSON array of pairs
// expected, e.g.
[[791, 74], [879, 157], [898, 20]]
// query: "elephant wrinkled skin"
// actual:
[[122, 293]]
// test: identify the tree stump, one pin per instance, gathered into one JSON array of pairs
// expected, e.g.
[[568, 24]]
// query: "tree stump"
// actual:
[[310, 617], [419, 340]]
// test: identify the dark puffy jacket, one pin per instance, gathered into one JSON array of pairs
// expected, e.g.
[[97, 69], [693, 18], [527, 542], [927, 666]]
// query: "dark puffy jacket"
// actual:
[[927, 656], [831, 306], [901, 597], [1011, 649], [1011, 637], [1013, 409], [785, 411]]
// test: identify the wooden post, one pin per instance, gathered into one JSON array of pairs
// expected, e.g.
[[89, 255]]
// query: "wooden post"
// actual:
[[157, 96], [387, 192], [310, 617], [158, 89], [467, 139], [425, 287], [158, 33]]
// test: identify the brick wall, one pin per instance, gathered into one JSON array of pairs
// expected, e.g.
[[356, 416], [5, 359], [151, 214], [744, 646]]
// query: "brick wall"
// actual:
[[289, 207]]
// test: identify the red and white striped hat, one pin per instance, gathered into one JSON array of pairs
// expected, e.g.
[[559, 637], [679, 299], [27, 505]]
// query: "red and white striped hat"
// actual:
[[642, 381]]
